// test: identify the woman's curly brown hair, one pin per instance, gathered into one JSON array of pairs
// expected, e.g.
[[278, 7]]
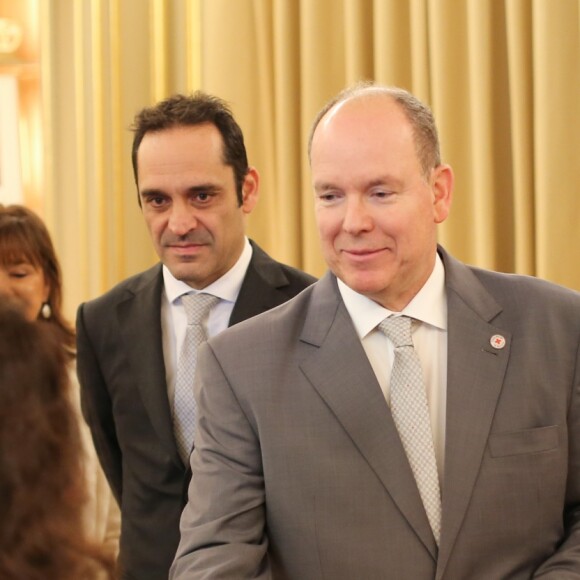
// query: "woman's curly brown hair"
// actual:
[[41, 480]]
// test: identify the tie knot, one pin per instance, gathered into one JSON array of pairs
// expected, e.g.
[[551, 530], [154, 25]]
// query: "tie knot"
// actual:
[[197, 306], [398, 330]]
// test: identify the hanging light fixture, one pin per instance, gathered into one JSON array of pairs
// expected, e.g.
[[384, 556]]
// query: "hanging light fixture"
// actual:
[[10, 36]]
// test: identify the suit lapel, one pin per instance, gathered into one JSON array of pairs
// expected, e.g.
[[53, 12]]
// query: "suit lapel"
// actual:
[[259, 291], [339, 370], [140, 323], [475, 374]]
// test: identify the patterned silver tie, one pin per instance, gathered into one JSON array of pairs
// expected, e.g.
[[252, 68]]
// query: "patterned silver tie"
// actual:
[[197, 308], [411, 415]]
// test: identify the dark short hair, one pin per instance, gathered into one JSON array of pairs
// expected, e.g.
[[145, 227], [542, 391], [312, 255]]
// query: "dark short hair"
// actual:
[[190, 110], [23, 236], [418, 114]]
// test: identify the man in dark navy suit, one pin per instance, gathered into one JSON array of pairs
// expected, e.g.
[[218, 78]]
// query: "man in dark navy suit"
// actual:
[[195, 190]]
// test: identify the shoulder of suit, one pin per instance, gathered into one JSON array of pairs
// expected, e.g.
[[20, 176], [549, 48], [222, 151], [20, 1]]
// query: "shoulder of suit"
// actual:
[[291, 313], [524, 283], [262, 260], [529, 295], [298, 276], [523, 290], [128, 287]]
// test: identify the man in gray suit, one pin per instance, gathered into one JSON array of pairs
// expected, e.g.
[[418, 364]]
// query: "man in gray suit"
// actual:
[[302, 468], [195, 189]]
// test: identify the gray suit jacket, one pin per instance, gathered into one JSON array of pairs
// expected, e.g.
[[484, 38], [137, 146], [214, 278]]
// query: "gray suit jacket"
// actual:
[[124, 399], [298, 471]]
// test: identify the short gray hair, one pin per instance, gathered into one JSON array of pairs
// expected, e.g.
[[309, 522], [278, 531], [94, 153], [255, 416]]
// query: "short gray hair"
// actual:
[[418, 113]]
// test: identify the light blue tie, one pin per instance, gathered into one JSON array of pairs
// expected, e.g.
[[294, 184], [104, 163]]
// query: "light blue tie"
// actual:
[[410, 412], [197, 308]]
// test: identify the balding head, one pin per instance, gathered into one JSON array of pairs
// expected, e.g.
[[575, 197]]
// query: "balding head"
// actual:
[[417, 113]]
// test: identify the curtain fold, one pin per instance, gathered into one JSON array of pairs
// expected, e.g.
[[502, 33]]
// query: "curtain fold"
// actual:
[[501, 77], [520, 89], [556, 143]]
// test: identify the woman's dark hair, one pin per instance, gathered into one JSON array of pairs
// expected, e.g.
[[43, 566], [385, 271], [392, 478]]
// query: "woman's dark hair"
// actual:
[[41, 479], [23, 236]]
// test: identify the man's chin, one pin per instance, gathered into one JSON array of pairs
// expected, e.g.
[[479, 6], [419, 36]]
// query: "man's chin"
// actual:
[[191, 276], [368, 284]]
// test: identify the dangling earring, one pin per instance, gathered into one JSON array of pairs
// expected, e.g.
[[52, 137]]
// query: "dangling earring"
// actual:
[[46, 311]]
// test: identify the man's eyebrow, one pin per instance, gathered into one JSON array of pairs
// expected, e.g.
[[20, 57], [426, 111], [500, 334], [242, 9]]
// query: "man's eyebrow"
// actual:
[[324, 186], [204, 187], [385, 181], [150, 192]]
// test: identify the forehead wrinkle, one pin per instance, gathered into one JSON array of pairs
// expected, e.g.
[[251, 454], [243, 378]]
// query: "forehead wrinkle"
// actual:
[[384, 181]]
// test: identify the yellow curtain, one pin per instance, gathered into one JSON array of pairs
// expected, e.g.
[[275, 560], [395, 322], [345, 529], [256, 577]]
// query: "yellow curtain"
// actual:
[[102, 61], [502, 77]]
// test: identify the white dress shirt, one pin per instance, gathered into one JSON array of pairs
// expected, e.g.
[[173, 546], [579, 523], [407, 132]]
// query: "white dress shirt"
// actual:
[[429, 307], [174, 319]]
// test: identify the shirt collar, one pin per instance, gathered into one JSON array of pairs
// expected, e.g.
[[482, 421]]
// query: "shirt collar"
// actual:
[[226, 288], [429, 305]]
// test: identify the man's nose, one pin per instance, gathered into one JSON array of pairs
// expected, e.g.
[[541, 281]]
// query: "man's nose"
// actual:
[[357, 217], [183, 219]]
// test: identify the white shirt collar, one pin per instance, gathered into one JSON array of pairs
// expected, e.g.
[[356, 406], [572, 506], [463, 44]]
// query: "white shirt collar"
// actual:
[[226, 288], [429, 305]]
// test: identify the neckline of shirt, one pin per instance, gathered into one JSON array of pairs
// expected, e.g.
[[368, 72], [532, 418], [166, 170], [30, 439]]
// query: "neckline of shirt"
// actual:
[[428, 306], [225, 288]]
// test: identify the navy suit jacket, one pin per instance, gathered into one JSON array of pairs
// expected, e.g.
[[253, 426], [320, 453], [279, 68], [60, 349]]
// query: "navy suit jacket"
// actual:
[[124, 399]]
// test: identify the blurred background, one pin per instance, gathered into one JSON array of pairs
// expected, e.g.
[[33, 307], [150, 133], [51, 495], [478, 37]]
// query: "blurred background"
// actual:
[[502, 78]]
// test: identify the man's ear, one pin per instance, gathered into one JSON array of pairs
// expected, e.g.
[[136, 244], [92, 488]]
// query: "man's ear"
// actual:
[[442, 180], [250, 190]]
